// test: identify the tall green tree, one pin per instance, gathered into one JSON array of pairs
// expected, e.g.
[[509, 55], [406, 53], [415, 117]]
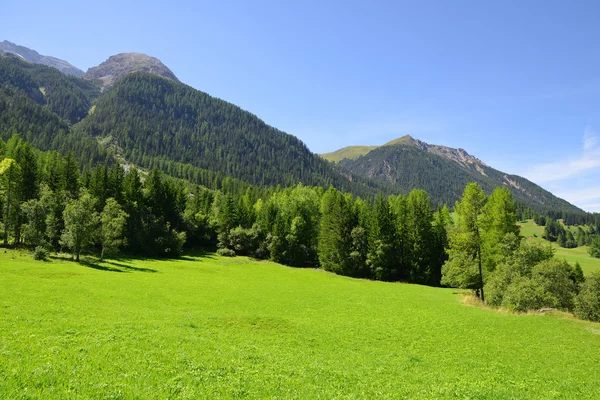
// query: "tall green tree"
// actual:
[[10, 180], [335, 234], [81, 223], [112, 225], [420, 233], [464, 267], [500, 231], [383, 244]]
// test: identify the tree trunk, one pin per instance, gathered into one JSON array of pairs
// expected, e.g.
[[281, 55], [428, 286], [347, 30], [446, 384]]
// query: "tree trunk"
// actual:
[[77, 256], [480, 273], [7, 215]]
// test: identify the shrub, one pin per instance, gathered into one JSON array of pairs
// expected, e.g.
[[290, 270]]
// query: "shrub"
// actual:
[[524, 294], [225, 252], [587, 302], [594, 249], [554, 277], [498, 282], [40, 253], [240, 241]]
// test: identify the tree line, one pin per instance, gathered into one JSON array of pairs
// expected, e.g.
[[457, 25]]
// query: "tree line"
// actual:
[[48, 204]]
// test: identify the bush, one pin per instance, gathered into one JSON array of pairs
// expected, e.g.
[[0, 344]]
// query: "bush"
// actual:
[[524, 294], [587, 302], [497, 284], [224, 252], [240, 241], [594, 249], [40, 253], [554, 277]]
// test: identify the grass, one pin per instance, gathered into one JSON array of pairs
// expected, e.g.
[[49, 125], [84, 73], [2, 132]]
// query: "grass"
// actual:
[[350, 152], [589, 264], [210, 327]]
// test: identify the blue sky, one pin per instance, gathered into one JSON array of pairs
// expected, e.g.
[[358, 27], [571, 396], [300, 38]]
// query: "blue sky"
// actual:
[[515, 83]]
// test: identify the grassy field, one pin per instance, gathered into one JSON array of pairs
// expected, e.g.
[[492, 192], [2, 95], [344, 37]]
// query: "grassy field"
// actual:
[[350, 152], [588, 263], [211, 327]]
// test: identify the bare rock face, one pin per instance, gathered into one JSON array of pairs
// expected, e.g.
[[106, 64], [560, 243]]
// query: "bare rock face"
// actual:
[[33, 56], [122, 64]]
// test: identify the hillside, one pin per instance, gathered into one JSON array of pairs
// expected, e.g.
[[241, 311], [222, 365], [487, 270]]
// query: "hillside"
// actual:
[[68, 97], [213, 327], [155, 122], [33, 56], [443, 172], [122, 64], [148, 117], [533, 232]]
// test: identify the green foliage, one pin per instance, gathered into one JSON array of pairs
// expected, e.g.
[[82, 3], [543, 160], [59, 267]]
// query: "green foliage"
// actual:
[[526, 294], [40, 254], [81, 222], [594, 249], [409, 166], [112, 224], [554, 277], [224, 252], [464, 266], [587, 302], [152, 120], [67, 96]]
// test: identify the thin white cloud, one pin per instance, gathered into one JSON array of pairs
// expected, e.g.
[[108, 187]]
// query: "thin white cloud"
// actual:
[[581, 196], [587, 161], [590, 139]]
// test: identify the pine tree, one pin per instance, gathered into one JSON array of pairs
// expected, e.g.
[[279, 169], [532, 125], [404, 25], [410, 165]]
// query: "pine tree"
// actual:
[[383, 243]]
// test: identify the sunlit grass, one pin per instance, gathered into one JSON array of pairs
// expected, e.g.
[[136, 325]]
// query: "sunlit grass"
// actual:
[[211, 327], [531, 231]]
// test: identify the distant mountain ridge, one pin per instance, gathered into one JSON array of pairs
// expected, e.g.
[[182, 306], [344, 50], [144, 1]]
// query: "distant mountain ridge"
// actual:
[[442, 171], [145, 116], [458, 155], [34, 57], [119, 65]]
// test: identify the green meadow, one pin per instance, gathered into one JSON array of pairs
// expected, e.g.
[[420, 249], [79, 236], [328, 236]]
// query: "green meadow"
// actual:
[[589, 264], [210, 327]]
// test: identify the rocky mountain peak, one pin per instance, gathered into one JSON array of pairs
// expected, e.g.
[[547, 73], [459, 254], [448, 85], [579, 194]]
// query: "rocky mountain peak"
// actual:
[[33, 56], [122, 64]]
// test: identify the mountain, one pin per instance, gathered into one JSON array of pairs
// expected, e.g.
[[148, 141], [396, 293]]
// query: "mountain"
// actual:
[[151, 121], [443, 172], [67, 96], [34, 57], [148, 118], [122, 64]]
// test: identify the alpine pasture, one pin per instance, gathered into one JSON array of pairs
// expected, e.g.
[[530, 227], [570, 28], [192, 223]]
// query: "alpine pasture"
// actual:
[[205, 326]]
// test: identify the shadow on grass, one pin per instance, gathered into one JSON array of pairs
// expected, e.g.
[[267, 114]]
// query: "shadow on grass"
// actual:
[[129, 267], [123, 263], [87, 263]]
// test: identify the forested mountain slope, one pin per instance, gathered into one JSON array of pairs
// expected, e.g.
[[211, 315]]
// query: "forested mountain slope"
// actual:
[[148, 117], [67, 96], [443, 172]]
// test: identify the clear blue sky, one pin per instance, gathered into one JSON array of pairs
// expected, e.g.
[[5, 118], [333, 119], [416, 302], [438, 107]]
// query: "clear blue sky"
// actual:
[[515, 83]]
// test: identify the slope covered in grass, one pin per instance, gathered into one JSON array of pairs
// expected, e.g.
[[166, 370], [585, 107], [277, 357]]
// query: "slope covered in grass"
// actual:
[[208, 327], [589, 264]]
